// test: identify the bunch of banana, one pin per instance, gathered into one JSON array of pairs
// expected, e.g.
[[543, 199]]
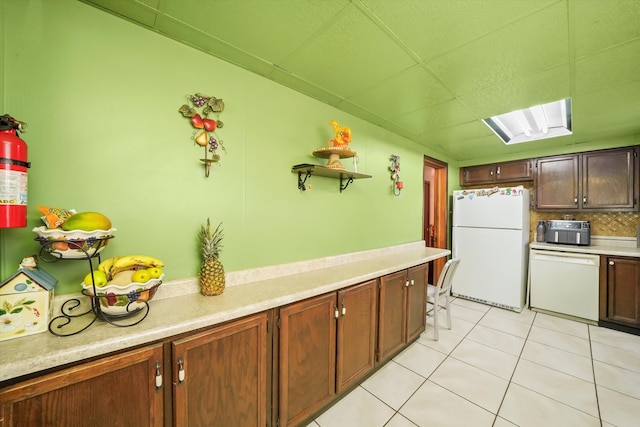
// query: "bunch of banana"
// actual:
[[115, 265]]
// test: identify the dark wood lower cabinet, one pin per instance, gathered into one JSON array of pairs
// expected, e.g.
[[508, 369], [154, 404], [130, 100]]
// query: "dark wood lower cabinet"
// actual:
[[326, 346], [220, 378], [244, 373], [356, 336], [307, 358], [620, 293], [220, 375], [402, 310], [118, 390]]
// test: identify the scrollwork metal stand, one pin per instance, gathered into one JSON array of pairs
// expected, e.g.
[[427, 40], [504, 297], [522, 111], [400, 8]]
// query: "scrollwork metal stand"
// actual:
[[72, 309]]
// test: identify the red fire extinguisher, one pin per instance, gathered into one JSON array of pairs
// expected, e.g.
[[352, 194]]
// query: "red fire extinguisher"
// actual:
[[13, 173]]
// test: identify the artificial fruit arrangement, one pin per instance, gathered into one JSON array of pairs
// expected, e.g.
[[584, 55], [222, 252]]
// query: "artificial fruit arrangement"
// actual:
[[212, 278], [125, 270]]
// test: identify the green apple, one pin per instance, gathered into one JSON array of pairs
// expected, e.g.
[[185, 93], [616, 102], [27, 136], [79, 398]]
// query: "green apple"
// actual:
[[141, 276], [155, 272], [99, 278]]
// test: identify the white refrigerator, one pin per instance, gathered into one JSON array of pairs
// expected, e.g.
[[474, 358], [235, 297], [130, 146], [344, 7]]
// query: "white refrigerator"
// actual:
[[490, 235]]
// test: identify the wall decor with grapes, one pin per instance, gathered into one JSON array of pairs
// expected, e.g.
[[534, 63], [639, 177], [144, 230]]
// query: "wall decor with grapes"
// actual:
[[205, 124]]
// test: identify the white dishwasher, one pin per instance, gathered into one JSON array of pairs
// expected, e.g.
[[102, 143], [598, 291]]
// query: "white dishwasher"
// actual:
[[564, 282]]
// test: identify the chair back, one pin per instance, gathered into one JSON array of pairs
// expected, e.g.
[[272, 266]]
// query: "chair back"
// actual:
[[446, 276]]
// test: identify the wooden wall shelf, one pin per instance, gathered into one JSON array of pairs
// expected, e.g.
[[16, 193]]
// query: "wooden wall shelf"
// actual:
[[346, 177]]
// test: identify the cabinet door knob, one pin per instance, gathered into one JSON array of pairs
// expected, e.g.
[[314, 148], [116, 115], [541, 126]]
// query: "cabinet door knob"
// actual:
[[406, 284], [575, 200], [181, 374], [344, 309], [611, 263], [584, 199], [158, 376], [413, 282], [498, 170], [336, 313]]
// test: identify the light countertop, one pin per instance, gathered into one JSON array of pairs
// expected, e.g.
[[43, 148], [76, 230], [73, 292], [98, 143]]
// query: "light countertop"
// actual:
[[186, 312], [592, 249]]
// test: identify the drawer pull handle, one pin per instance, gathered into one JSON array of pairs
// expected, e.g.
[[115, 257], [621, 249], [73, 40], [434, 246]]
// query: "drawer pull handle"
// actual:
[[611, 263]]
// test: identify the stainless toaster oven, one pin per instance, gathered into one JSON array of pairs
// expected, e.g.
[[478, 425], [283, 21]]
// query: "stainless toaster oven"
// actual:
[[568, 232]]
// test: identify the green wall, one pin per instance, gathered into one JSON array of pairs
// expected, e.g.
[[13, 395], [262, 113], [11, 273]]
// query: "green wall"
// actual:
[[101, 98]]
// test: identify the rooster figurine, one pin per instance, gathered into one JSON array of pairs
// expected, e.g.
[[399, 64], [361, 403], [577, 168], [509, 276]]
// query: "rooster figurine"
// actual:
[[343, 135]]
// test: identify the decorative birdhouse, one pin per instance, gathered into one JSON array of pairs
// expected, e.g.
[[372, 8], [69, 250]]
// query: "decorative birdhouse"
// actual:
[[26, 300]]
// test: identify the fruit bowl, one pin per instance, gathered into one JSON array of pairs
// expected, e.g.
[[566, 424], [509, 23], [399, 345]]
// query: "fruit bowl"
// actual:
[[72, 244], [123, 300]]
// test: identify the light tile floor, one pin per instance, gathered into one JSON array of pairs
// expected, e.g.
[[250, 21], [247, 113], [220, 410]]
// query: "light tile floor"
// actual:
[[499, 368]]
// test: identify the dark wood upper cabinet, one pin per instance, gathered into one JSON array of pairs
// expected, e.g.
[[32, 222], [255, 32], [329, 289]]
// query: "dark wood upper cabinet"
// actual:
[[592, 181], [513, 171], [609, 179], [557, 182]]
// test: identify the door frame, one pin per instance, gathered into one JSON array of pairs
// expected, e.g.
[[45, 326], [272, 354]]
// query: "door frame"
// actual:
[[440, 189]]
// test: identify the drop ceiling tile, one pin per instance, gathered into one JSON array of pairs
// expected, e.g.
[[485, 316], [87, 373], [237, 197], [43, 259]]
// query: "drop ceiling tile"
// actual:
[[613, 111], [611, 67], [427, 120], [303, 86], [602, 24], [533, 89], [351, 55], [530, 45], [408, 91], [460, 132], [195, 38], [133, 11], [433, 27], [269, 29], [474, 148]]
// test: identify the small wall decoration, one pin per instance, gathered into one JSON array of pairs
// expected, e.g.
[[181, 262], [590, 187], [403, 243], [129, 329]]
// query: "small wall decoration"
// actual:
[[337, 148], [394, 167], [205, 127]]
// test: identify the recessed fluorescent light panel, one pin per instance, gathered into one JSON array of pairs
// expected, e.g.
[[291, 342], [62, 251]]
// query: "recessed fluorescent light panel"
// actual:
[[534, 123]]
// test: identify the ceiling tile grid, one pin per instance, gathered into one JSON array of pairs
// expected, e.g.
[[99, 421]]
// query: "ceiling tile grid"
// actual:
[[428, 70]]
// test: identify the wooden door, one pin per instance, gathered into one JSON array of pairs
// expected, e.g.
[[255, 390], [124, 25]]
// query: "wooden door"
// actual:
[[307, 358], [416, 301], [356, 333], [392, 315], [557, 183], [220, 375], [118, 390], [623, 291], [608, 179], [438, 208]]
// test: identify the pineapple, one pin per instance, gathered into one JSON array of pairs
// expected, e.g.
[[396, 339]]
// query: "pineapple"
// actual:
[[212, 281]]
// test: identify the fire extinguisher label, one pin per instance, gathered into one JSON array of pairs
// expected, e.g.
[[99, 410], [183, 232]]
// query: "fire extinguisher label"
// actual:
[[13, 187]]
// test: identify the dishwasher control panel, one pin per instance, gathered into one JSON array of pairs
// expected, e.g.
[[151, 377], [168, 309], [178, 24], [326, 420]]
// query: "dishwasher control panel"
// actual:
[[568, 232]]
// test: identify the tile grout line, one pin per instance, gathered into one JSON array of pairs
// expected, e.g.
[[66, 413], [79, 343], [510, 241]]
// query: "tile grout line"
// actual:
[[435, 369], [514, 370], [593, 371]]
